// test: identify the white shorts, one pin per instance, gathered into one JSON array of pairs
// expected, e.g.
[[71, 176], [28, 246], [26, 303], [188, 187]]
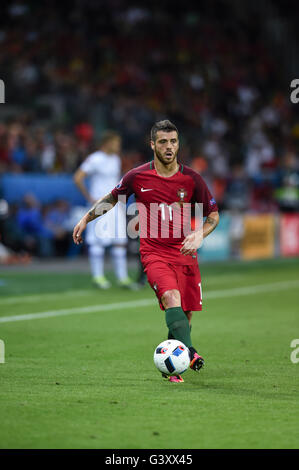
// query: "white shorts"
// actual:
[[109, 229]]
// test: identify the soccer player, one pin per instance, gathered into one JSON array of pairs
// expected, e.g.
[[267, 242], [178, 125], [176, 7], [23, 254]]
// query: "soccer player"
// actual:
[[103, 168], [162, 188]]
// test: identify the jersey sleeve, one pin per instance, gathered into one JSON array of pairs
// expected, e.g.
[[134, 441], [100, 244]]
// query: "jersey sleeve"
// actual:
[[202, 195], [125, 186]]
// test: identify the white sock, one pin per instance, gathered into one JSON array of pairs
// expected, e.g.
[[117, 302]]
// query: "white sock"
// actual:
[[119, 258], [96, 255]]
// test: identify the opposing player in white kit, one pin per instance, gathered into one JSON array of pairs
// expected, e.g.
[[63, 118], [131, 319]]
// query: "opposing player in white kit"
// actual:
[[103, 168]]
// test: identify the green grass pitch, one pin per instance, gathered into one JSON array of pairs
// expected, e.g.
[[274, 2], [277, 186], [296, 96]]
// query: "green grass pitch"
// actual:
[[86, 378]]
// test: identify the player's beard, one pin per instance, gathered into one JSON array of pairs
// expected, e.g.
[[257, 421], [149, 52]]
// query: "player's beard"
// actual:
[[163, 159]]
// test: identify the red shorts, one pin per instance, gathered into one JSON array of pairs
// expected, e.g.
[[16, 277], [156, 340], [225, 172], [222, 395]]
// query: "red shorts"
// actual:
[[163, 276]]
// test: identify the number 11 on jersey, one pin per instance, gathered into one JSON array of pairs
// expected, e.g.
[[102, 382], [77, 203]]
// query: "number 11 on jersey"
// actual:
[[163, 207]]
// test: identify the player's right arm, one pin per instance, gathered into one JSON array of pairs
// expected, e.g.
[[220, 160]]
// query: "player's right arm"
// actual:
[[79, 178], [104, 205], [100, 207]]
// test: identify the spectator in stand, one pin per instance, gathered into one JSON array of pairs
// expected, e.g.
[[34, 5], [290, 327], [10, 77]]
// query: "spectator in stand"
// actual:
[[238, 189], [55, 218], [30, 222]]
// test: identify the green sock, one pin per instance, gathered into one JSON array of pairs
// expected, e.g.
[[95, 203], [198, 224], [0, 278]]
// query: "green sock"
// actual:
[[170, 336], [178, 325]]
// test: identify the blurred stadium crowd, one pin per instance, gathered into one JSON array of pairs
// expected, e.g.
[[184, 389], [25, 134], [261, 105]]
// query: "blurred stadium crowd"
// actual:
[[74, 69]]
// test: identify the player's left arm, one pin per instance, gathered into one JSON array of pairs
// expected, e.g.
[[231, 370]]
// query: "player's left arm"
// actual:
[[194, 240], [211, 222]]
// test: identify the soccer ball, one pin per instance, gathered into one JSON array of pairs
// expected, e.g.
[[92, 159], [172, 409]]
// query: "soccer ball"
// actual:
[[172, 357]]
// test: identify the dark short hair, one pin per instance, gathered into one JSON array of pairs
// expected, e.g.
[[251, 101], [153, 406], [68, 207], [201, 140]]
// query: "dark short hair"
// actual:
[[108, 135], [165, 126]]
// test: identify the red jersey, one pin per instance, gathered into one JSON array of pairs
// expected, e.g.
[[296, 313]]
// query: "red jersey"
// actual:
[[164, 216]]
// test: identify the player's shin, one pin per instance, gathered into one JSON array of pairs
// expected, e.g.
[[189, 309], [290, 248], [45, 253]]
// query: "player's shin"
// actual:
[[178, 325], [170, 336], [119, 257], [96, 260]]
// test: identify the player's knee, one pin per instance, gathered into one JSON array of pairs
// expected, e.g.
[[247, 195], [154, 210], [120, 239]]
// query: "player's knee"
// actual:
[[171, 298], [119, 251], [96, 250], [188, 315]]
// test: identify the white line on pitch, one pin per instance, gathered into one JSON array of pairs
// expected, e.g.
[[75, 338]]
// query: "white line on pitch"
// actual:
[[247, 290], [235, 292], [75, 310], [49, 296]]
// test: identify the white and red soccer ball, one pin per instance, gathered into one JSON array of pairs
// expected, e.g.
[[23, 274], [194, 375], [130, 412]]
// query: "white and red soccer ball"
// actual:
[[172, 357]]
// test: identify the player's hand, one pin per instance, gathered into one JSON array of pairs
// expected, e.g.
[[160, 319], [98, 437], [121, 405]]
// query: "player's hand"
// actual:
[[78, 230], [191, 243]]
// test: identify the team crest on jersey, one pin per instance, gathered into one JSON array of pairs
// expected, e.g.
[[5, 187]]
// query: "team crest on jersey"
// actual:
[[119, 184], [182, 194]]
